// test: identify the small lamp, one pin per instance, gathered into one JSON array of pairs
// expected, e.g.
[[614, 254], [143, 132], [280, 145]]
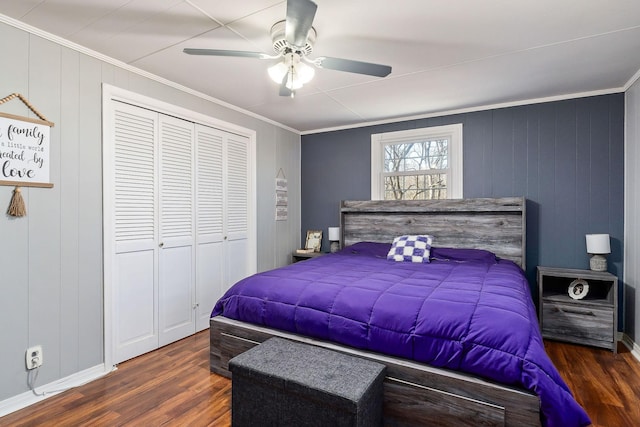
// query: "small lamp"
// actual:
[[334, 238], [598, 246]]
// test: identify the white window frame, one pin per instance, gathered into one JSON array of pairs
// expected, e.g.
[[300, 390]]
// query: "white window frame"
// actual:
[[454, 173]]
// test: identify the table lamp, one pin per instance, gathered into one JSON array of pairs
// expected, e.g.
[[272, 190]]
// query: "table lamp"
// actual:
[[598, 246], [334, 238]]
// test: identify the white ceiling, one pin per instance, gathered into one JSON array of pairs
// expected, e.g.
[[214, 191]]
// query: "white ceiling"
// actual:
[[446, 54]]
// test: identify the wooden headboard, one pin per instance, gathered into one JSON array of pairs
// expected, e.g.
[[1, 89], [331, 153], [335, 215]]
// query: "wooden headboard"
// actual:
[[494, 224]]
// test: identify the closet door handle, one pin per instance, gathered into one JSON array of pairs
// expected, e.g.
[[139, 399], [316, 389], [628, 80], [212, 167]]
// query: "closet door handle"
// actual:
[[161, 244]]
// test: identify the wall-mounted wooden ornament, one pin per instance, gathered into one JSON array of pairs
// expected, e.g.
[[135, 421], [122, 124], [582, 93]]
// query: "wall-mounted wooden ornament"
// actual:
[[24, 153]]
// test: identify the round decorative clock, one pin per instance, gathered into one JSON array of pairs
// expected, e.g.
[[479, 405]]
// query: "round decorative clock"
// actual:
[[578, 289]]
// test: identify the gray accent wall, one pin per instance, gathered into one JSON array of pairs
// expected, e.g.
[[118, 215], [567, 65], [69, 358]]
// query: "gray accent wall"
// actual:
[[51, 290], [632, 215], [565, 157]]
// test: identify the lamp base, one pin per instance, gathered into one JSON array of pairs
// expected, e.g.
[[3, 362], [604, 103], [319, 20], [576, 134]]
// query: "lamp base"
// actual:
[[335, 247], [598, 263]]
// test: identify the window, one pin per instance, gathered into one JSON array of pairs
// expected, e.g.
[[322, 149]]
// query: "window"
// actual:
[[417, 164]]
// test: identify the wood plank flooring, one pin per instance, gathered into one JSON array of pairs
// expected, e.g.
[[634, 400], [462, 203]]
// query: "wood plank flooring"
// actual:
[[172, 386], [607, 385]]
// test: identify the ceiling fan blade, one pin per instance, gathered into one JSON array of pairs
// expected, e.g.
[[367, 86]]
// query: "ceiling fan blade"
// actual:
[[284, 90], [300, 14], [219, 52], [351, 66]]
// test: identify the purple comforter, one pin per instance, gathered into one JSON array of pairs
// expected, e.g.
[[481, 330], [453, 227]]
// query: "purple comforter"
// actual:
[[464, 311]]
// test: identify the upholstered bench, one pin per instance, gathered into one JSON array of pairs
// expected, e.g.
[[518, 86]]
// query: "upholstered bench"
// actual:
[[285, 383]]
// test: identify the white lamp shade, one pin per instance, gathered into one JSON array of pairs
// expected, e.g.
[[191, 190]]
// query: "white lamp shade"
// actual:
[[277, 72], [334, 234], [598, 244], [304, 73]]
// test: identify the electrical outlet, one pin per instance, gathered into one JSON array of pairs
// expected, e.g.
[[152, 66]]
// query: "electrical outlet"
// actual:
[[33, 357]]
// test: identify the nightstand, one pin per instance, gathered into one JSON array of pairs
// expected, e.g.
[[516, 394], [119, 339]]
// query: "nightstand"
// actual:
[[591, 320], [297, 256]]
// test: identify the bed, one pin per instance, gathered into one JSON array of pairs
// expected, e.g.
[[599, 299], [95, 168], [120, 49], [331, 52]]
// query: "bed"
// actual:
[[459, 335]]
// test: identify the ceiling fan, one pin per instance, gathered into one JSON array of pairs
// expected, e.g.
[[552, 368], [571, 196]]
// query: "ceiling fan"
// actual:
[[293, 41]]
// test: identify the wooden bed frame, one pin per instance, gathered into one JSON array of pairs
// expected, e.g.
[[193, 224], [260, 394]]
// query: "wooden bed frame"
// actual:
[[415, 393]]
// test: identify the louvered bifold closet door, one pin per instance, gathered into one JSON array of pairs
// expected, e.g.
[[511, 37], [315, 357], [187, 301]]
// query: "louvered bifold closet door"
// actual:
[[177, 230], [209, 222], [237, 208], [135, 199]]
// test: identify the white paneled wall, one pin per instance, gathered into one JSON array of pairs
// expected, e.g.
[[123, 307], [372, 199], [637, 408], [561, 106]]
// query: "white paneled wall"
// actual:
[[632, 214], [51, 271]]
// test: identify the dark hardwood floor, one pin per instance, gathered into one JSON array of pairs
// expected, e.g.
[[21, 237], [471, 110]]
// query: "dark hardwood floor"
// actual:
[[607, 385], [172, 386]]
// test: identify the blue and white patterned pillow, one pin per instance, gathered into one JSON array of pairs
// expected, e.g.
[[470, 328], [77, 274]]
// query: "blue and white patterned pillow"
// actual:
[[413, 248]]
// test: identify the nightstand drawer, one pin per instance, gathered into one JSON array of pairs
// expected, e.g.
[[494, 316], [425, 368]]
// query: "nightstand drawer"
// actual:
[[588, 322]]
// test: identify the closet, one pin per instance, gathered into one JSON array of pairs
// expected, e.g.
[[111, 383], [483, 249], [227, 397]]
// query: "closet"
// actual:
[[178, 224]]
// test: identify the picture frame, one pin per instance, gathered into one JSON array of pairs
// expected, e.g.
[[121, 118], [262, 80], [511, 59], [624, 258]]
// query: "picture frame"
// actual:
[[314, 240], [578, 289]]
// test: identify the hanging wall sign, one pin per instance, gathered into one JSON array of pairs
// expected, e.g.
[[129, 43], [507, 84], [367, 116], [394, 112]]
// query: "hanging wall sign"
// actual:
[[282, 200], [24, 151]]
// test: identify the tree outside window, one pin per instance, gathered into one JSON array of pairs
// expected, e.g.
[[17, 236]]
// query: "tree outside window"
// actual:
[[417, 164], [416, 170]]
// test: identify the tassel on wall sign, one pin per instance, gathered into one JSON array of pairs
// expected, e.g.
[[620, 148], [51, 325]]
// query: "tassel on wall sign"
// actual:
[[16, 207]]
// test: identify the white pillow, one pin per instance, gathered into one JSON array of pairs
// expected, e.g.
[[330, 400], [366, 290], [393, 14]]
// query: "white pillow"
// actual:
[[413, 248]]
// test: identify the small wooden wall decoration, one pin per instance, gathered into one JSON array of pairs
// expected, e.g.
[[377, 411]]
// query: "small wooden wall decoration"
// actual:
[[24, 153]]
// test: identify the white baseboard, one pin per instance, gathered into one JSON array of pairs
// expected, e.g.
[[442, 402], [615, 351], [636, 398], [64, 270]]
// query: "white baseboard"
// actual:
[[28, 398], [633, 347]]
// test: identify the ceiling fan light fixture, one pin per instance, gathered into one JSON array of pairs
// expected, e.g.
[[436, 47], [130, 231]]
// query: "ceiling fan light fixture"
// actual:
[[299, 72], [293, 40]]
